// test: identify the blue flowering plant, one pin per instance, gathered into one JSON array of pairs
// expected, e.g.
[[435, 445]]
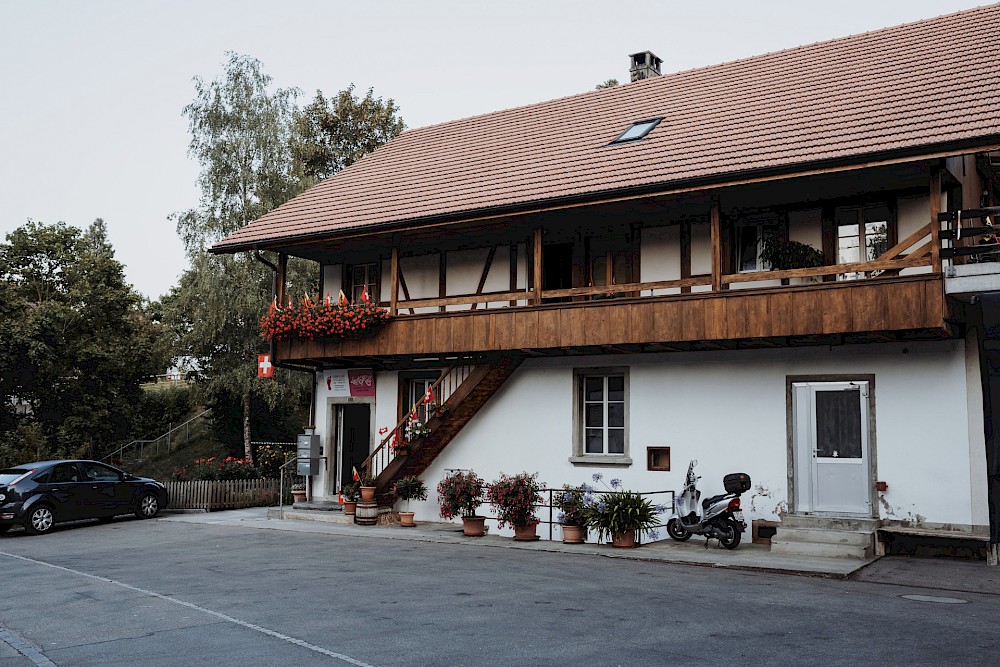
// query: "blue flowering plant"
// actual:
[[618, 510], [571, 505]]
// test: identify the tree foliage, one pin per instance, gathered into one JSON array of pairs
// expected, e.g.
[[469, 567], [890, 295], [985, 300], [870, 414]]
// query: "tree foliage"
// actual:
[[336, 133], [610, 83], [77, 344]]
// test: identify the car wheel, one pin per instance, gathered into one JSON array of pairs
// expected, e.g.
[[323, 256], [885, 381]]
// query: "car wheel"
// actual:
[[40, 520], [148, 506]]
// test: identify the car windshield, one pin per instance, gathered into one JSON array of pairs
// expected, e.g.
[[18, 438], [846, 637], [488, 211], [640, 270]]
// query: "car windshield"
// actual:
[[10, 474]]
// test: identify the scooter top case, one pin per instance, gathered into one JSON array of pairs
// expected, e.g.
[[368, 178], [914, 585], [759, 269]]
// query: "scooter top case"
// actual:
[[737, 482]]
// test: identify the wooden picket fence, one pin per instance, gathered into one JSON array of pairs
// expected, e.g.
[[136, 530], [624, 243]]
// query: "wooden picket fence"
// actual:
[[227, 494]]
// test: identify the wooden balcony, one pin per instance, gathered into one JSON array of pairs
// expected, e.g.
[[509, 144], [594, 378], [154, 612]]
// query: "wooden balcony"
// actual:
[[825, 312]]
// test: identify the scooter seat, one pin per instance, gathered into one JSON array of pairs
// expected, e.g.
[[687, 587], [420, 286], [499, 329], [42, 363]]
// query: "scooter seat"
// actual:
[[708, 502]]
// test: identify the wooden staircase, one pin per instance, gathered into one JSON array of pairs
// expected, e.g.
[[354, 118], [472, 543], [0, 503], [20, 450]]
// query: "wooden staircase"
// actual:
[[474, 391]]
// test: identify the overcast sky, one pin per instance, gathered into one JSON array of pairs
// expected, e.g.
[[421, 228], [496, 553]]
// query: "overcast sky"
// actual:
[[92, 92]]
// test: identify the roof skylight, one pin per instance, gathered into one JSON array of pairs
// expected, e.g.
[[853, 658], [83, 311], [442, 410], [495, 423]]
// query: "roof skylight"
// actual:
[[637, 130]]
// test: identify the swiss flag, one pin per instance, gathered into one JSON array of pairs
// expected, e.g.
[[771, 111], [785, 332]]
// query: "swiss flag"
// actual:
[[265, 369], [429, 396], [364, 295]]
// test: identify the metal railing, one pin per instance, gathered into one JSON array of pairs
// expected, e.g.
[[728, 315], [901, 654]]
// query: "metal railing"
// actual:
[[155, 442]]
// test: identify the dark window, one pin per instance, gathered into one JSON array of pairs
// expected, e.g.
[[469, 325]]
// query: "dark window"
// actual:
[[838, 424], [637, 130], [361, 277], [863, 234], [10, 474], [100, 473], [65, 472]]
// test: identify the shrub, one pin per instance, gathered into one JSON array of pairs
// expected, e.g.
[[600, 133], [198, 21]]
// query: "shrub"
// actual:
[[410, 488], [514, 498], [620, 511], [460, 494], [571, 505]]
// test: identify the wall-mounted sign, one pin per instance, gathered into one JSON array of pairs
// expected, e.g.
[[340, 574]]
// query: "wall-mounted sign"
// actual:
[[349, 382]]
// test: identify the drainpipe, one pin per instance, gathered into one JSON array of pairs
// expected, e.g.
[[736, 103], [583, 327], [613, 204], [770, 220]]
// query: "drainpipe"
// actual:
[[985, 318]]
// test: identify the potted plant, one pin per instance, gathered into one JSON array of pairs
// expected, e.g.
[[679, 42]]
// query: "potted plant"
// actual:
[[620, 514], [350, 493], [460, 494], [367, 484], [514, 498], [298, 492], [781, 255], [407, 489], [571, 516]]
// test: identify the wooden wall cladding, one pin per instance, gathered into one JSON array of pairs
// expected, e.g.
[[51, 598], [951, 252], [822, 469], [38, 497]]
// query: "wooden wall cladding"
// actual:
[[896, 304]]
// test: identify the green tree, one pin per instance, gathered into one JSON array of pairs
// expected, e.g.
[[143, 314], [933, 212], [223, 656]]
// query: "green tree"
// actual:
[[610, 83], [336, 133], [77, 343]]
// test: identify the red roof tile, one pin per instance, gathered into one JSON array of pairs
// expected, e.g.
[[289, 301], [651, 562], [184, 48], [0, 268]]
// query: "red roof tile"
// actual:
[[926, 84]]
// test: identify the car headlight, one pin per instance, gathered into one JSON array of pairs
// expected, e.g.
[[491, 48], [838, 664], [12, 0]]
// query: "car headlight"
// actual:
[[2, 497]]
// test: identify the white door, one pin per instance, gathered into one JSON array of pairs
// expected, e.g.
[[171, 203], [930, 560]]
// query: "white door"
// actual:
[[832, 470]]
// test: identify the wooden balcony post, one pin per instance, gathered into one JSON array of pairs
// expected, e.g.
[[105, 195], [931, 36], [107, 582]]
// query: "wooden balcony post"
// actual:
[[716, 228], [536, 247], [394, 276], [935, 205], [282, 272]]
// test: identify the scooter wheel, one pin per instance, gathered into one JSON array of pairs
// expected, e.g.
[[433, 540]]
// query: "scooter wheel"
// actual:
[[733, 535], [676, 531]]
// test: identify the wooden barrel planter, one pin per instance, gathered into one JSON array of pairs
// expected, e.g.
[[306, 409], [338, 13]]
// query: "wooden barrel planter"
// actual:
[[366, 513]]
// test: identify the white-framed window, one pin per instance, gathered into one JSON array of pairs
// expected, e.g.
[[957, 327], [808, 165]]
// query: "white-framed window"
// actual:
[[601, 416], [863, 234], [363, 277]]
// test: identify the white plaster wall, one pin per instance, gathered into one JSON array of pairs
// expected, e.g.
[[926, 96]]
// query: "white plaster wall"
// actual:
[[701, 254], [422, 276], [912, 213], [728, 410], [660, 257]]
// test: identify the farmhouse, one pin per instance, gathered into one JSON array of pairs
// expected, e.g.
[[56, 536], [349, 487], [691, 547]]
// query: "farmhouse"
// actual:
[[780, 265]]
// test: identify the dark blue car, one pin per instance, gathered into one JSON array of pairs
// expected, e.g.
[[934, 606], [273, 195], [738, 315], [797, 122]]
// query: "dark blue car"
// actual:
[[39, 495]]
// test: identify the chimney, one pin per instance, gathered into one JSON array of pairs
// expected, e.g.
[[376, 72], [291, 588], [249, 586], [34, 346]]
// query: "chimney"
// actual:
[[645, 65]]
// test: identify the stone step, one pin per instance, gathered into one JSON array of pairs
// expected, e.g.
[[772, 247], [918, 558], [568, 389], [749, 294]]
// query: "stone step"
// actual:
[[310, 515], [829, 522], [856, 538], [819, 549]]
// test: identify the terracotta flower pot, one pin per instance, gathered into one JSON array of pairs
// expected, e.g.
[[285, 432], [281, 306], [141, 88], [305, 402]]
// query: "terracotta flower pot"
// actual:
[[574, 534], [367, 493], [350, 506], [624, 540], [298, 496], [526, 533], [474, 526], [406, 519]]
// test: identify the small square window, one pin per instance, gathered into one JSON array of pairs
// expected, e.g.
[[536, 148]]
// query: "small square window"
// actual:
[[637, 130]]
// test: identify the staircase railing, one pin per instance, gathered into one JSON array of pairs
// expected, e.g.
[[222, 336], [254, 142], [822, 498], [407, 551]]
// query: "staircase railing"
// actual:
[[155, 442], [388, 449]]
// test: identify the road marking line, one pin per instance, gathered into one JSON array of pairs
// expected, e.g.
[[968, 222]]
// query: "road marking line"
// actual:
[[20, 645], [272, 633]]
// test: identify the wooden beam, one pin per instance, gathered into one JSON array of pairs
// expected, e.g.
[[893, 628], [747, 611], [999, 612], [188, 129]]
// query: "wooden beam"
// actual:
[[282, 278], [716, 224], [628, 287], [394, 277], [442, 277], [462, 300], [406, 291], [935, 203], [486, 273], [513, 271], [685, 243], [536, 248]]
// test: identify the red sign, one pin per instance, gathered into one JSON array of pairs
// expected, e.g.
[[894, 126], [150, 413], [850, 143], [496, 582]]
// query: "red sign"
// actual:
[[265, 369], [362, 381]]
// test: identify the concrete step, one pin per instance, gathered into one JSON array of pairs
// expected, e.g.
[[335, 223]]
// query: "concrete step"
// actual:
[[819, 549], [310, 515], [820, 536], [829, 522]]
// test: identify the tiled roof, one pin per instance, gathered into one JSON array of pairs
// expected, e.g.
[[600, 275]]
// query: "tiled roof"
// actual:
[[925, 84]]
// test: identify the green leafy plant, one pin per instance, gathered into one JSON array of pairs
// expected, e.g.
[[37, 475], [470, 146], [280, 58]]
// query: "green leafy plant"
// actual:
[[620, 511], [460, 494], [514, 498], [367, 479], [410, 488], [351, 492], [782, 255], [571, 505], [298, 487]]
